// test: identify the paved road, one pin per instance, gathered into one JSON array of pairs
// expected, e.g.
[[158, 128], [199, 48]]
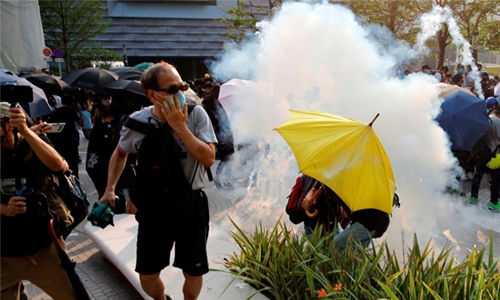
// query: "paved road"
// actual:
[[104, 281]]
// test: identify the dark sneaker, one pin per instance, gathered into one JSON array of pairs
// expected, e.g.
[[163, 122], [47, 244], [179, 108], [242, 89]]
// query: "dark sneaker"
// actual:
[[473, 200], [494, 207]]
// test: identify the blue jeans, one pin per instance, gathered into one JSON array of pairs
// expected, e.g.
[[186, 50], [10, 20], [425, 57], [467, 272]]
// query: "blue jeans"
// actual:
[[355, 233], [308, 230]]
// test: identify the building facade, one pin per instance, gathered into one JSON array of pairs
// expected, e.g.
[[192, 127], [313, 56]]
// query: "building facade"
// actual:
[[183, 32]]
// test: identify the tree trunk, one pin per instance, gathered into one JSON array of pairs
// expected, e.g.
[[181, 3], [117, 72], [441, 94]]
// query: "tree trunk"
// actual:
[[442, 37], [66, 57]]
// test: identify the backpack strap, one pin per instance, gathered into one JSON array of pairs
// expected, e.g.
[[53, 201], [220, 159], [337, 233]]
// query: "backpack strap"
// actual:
[[137, 125], [191, 107]]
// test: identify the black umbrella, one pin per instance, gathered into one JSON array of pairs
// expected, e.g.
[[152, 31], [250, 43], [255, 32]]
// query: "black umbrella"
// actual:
[[69, 266], [129, 73], [464, 118], [129, 91], [48, 83], [90, 79]]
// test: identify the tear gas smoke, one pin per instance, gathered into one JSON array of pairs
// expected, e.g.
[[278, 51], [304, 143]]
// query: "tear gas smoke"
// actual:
[[318, 57]]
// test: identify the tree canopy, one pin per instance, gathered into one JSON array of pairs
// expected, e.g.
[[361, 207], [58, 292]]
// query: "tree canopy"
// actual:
[[71, 24], [400, 17]]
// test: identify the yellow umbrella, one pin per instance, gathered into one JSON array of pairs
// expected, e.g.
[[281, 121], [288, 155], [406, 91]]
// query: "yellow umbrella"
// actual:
[[344, 154]]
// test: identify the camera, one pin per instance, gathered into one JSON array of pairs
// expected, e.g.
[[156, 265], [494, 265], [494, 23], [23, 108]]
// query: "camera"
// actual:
[[16, 93]]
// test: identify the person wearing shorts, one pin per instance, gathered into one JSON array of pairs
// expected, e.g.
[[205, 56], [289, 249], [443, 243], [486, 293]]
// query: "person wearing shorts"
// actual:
[[161, 223]]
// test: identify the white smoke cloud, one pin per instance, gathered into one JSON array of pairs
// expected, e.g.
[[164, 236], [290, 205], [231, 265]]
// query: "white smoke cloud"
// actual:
[[315, 56]]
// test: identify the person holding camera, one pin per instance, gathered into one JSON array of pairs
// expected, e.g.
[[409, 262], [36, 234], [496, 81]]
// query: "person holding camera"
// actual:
[[27, 249]]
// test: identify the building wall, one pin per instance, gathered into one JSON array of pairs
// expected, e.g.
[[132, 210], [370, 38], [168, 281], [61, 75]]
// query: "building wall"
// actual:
[[181, 32]]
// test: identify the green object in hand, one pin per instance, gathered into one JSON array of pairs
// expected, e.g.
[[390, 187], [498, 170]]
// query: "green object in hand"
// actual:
[[101, 215]]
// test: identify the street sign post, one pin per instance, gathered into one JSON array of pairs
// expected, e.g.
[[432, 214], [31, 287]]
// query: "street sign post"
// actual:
[[59, 61], [47, 52], [58, 53]]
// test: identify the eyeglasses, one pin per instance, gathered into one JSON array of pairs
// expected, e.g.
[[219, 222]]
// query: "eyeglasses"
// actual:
[[174, 89]]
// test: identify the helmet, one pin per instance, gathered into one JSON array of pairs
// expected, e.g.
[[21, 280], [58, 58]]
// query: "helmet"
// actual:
[[494, 163], [491, 101]]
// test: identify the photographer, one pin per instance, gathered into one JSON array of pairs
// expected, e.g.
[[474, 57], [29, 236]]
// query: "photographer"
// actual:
[[27, 250]]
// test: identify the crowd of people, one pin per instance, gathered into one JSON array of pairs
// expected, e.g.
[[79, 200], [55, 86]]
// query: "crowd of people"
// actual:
[[120, 156]]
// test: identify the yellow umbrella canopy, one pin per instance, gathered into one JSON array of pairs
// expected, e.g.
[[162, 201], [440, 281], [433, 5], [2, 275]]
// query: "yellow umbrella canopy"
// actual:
[[345, 155]]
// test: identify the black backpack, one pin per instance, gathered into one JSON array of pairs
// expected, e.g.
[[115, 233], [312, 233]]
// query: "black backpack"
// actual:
[[294, 204], [160, 182], [221, 124]]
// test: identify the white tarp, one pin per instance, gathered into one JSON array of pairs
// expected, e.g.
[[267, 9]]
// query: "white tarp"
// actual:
[[22, 40]]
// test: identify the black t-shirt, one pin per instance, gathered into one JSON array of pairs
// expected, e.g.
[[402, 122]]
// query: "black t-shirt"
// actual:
[[24, 234]]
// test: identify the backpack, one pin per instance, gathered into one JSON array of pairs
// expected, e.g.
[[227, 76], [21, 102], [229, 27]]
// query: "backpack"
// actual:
[[160, 177], [66, 200], [69, 188], [222, 128], [294, 205]]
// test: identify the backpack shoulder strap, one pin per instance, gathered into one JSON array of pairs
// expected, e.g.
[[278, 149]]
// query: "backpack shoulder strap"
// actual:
[[191, 107], [137, 125]]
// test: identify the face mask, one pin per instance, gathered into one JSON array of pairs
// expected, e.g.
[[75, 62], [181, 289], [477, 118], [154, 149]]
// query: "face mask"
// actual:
[[180, 96], [461, 70], [428, 71], [106, 102]]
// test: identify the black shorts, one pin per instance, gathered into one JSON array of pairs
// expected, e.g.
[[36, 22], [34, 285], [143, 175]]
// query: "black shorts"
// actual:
[[158, 233]]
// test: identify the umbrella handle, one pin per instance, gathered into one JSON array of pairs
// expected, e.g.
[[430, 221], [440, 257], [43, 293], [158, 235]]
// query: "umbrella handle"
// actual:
[[314, 197], [53, 235], [313, 214]]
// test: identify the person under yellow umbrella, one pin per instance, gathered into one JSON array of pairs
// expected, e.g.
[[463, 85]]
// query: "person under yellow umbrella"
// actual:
[[347, 156]]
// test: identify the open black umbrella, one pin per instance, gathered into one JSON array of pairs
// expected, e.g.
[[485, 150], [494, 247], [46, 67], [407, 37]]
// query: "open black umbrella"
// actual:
[[129, 73], [48, 83], [129, 91], [90, 79], [69, 266]]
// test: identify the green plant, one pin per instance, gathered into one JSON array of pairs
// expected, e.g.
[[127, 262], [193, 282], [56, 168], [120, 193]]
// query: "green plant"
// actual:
[[284, 265]]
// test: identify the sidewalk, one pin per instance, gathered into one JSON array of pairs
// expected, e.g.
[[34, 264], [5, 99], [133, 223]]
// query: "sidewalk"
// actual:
[[104, 281]]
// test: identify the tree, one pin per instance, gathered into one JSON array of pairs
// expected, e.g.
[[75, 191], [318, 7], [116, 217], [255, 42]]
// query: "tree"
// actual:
[[70, 24], [243, 18], [82, 57], [478, 17], [400, 17]]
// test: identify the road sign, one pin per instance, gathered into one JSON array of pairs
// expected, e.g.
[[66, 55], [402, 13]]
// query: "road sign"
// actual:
[[47, 52], [58, 53], [59, 60], [47, 58]]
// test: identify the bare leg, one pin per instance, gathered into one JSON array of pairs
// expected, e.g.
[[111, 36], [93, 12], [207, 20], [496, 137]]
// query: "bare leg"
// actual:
[[153, 286], [192, 286]]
